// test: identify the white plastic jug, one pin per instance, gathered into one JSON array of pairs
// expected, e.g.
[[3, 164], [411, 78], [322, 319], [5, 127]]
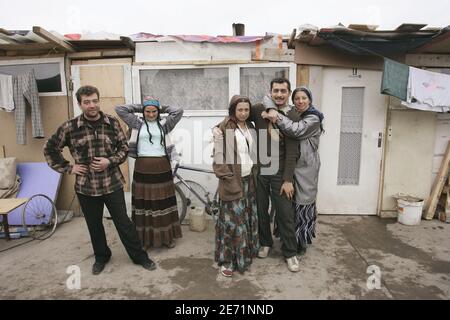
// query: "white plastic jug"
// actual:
[[197, 219]]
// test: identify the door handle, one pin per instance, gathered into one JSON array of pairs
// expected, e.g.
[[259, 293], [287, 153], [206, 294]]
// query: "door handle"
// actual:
[[380, 138]]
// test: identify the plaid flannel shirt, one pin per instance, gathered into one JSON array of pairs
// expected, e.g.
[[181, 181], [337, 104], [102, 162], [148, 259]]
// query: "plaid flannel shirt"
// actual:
[[85, 143]]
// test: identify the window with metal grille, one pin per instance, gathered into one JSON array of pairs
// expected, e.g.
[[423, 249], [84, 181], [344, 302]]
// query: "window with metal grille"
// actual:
[[193, 89], [351, 134]]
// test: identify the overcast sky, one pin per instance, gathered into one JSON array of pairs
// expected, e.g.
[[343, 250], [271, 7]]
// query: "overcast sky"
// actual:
[[213, 17]]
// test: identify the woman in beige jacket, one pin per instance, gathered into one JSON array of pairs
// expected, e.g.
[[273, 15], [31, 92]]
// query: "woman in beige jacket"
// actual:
[[234, 164]]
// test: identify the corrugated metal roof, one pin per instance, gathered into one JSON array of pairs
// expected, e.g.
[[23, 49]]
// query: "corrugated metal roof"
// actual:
[[367, 40], [439, 44], [37, 39], [41, 40]]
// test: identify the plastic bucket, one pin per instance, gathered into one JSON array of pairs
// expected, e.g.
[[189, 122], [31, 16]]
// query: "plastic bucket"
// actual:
[[409, 211], [197, 219]]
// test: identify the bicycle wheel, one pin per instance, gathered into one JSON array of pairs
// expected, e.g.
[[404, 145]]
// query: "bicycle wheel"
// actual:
[[214, 206], [181, 203], [39, 217], [191, 199]]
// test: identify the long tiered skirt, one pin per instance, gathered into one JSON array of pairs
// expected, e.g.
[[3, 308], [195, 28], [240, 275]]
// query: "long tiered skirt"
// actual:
[[154, 205], [237, 241]]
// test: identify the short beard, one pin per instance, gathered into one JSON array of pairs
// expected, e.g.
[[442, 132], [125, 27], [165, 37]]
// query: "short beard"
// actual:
[[92, 118]]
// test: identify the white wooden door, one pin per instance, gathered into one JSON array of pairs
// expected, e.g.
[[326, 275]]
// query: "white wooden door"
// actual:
[[351, 148]]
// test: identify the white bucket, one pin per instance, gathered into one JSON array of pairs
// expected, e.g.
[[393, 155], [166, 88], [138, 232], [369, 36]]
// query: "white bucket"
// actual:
[[197, 219], [409, 211]]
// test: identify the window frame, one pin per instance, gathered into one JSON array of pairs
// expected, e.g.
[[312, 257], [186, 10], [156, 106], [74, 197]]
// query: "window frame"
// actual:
[[233, 80], [59, 60]]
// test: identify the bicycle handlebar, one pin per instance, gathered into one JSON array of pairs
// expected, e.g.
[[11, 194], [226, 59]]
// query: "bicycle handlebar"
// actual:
[[195, 169], [178, 166]]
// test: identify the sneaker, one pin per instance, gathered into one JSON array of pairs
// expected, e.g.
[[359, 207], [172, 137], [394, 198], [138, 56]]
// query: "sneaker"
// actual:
[[263, 252], [293, 264], [148, 265], [226, 271]]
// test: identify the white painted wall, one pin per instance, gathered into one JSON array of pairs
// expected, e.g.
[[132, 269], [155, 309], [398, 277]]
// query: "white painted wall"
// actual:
[[189, 51], [192, 51], [442, 139], [316, 84], [409, 155]]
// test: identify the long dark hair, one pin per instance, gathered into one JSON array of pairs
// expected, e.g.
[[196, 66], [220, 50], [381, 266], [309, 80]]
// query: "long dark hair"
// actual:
[[235, 100], [158, 119]]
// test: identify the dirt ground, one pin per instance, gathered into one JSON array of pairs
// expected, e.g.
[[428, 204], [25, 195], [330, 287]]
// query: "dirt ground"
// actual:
[[353, 257]]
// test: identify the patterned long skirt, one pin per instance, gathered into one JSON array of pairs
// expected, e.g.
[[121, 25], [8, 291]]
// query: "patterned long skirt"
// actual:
[[154, 206], [305, 223], [237, 241]]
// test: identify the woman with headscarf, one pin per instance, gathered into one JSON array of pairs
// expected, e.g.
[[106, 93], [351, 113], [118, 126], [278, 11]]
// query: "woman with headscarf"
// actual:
[[236, 239], [154, 206], [306, 128]]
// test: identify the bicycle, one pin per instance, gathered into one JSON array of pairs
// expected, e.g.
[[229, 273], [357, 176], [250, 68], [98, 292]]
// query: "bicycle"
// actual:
[[191, 194]]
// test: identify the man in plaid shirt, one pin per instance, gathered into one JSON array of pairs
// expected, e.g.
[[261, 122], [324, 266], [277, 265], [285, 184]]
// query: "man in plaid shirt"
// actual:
[[98, 146]]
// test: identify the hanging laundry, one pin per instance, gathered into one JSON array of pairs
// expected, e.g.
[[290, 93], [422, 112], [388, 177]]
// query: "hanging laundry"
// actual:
[[424, 107], [428, 90], [25, 90], [395, 79], [418, 89], [6, 93]]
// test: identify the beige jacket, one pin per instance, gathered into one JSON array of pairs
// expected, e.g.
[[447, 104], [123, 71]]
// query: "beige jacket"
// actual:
[[226, 164]]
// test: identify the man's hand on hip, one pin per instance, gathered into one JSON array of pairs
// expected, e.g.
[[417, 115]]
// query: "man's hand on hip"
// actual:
[[79, 169], [99, 164]]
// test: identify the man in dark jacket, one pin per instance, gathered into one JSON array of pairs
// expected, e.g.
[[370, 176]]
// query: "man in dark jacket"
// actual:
[[277, 157]]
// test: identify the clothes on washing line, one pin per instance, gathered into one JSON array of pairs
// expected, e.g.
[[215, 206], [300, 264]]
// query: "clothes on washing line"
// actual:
[[428, 90], [418, 89], [25, 89], [425, 107], [6, 93], [395, 79]]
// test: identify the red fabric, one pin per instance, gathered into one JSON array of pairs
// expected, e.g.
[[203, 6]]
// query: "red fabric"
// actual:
[[73, 36]]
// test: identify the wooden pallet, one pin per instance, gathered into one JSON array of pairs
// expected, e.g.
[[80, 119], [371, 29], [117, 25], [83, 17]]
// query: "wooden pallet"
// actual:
[[444, 204], [438, 186]]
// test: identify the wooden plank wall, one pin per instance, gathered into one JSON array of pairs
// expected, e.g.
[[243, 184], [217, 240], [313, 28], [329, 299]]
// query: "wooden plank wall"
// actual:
[[54, 113], [109, 81]]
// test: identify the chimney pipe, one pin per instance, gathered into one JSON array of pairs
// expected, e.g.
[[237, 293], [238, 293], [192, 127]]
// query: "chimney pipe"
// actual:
[[238, 29]]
